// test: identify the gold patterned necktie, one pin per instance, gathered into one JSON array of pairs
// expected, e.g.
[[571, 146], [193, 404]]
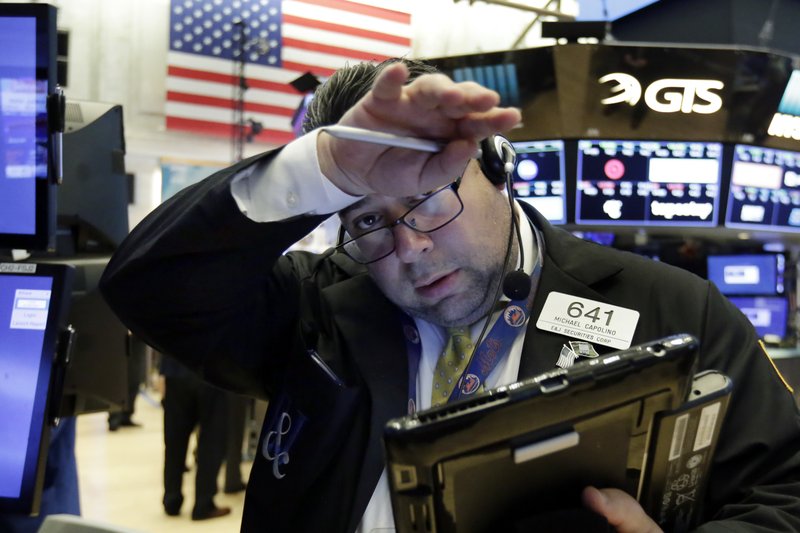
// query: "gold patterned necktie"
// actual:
[[450, 365]]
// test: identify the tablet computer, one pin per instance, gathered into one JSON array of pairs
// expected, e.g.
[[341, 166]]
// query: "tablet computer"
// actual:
[[680, 453], [531, 447], [33, 303]]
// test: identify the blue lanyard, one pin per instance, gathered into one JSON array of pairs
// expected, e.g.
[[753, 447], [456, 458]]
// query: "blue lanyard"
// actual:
[[494, 348]]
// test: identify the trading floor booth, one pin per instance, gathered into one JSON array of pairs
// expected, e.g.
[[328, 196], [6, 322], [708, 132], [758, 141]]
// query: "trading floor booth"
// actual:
[[687, 154]]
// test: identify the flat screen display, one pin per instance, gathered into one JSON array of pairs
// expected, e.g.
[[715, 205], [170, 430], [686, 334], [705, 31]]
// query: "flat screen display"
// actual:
[[93, 200], [765, 189], [768, 314], [32, 304], [24, 304], [539, 177], [648, 183], [27, 72], [756, 274]]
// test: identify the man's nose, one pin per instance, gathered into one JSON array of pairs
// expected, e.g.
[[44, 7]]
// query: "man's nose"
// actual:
[[410, 244]]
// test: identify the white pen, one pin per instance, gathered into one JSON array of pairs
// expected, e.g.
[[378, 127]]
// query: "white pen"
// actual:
[[379, 137]]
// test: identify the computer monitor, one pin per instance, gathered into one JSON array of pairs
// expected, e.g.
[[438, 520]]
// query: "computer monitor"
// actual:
[[27, 164], [93, 199], [97, 377], [539, 177], [768, 314], [648, 183], [33, 302], [748, 274], [765, 189]]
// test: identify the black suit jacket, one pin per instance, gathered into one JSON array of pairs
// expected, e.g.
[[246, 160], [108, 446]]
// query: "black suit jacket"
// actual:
[[200, 281]]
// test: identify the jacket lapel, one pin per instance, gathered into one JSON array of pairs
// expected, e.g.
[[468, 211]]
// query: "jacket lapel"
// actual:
[[571, 266], [371, 326]]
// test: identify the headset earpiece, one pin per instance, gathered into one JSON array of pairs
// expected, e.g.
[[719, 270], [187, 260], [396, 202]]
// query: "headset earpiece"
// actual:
[[496, 154], [498, 159]]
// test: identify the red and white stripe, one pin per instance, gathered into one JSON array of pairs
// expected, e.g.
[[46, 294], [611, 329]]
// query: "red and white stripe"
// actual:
[[319, 36]]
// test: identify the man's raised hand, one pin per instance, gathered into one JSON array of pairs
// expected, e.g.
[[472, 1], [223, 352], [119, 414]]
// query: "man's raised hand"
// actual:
[[457, 115]]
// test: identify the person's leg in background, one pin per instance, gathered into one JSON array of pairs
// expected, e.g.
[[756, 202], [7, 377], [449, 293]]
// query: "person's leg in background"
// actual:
[[136, 370], [211, 440], [180, 418], [237, 413]]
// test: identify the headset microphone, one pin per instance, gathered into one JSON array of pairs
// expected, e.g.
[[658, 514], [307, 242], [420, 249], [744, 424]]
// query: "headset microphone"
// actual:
[[516, 284]]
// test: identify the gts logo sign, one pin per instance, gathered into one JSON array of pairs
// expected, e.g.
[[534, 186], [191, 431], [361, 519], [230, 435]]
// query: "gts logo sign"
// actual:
[[669, 95]]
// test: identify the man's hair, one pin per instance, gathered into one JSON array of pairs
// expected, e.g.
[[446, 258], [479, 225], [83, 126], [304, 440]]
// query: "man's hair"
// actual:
[[347, 86]]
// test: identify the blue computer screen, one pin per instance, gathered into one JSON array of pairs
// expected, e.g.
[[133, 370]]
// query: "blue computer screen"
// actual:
[[539, 177], [756, 274], [768, 314], [23, 127], [24, 311]]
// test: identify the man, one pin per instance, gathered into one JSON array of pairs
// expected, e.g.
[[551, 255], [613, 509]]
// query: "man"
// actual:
[[190, 403], [322, 337], [136, 370]]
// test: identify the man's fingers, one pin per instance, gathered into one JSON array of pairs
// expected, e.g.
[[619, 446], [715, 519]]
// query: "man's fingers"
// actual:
[[453, 159], [621, 510], [433, 92], [389, 82], [453, 100], [481, 125]]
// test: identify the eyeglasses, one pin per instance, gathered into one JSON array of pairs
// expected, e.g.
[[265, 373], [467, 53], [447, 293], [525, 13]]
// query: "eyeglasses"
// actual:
[[434, 211]]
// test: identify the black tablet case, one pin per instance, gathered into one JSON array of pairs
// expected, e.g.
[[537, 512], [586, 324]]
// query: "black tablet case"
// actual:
[[453, 468], [681, 451]]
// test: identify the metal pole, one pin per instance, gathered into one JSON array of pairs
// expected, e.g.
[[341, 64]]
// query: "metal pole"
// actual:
[[529, 26], [539, 11], [237, 149]]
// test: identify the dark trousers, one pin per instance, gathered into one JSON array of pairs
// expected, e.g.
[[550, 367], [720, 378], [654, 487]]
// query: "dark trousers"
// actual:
[[136, 375], [190, 402], [237, 415]]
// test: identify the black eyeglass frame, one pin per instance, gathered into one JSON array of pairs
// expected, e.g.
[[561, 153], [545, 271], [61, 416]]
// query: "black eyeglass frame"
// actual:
[[402, 220]]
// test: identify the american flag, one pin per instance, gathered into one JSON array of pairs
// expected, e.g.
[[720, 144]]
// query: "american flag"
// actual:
[[283, 40]]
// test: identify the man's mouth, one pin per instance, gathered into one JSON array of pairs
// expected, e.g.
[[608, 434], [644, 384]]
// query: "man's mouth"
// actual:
[[438, 285]]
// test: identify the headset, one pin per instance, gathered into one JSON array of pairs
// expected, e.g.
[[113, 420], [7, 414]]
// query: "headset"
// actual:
[[497, 161]]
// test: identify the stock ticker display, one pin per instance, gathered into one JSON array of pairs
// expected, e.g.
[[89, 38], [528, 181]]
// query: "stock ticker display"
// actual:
[[539, 177], [648, 183], [765, 189]]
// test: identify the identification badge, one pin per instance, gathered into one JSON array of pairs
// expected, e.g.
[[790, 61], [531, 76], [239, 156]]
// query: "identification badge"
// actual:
[[590, 320]]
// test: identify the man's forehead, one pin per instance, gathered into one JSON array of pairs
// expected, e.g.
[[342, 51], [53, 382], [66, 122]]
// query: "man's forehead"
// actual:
[[365, 202], [373, 201], [377, 200]]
